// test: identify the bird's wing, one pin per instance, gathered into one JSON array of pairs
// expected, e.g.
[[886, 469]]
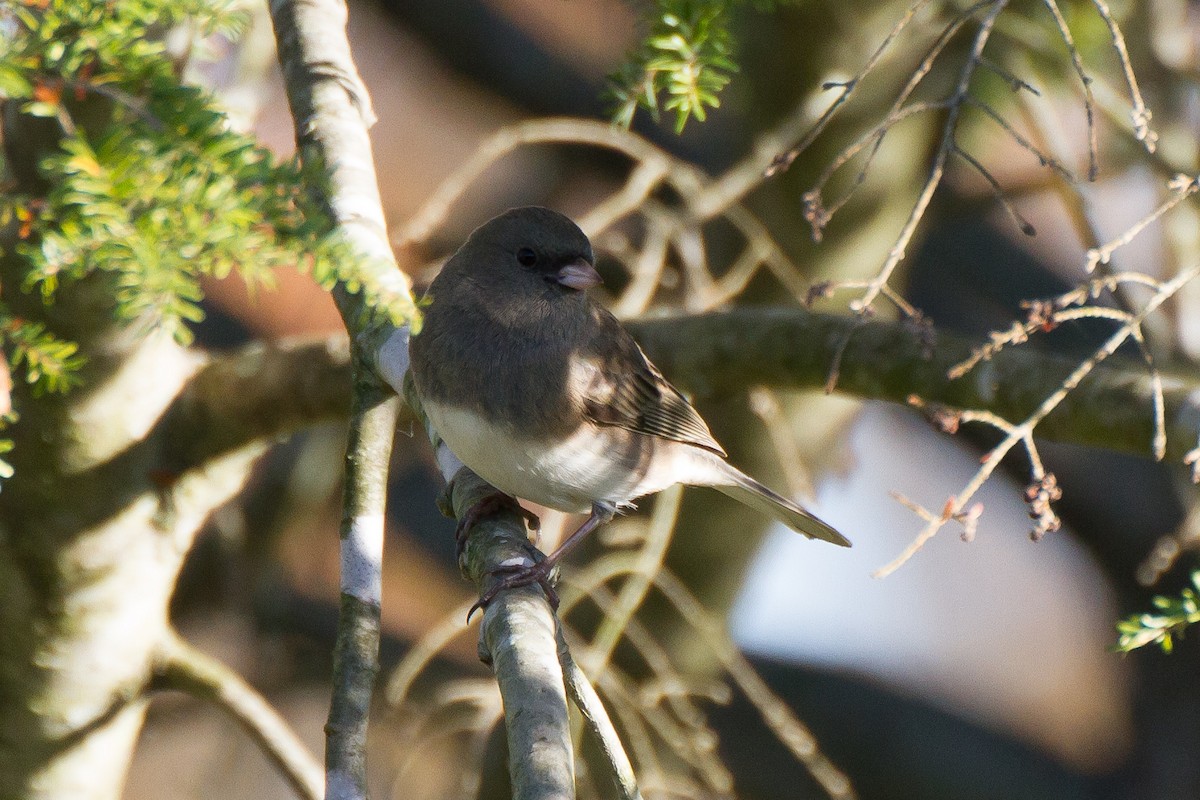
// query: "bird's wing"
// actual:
[[622, 388]]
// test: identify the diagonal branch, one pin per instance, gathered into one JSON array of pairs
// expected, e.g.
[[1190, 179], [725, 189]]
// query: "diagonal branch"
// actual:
[[591, 708], [518, 640], [518, 637], [186, 669], [257, 392]]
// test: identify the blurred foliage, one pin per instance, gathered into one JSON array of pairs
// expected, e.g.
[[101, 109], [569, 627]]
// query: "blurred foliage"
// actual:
[[686, 55], [147, 183], [1174, 615]]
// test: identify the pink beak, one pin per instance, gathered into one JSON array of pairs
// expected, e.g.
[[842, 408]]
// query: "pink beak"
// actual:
[[579, 274]]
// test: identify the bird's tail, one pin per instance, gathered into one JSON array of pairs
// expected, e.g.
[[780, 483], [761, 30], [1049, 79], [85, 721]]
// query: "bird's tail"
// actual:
[[746, 490]]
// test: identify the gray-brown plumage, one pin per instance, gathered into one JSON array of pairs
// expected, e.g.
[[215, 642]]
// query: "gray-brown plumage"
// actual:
[[541, 392]]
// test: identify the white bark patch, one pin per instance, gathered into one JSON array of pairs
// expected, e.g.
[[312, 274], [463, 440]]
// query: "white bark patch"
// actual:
[[448, 463], [362, 559], [392, 359]]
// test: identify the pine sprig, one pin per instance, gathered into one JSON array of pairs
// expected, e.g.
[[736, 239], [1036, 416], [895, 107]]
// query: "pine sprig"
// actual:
[[685, 56], [42, 360], [1174, 615], [164, 192], [147, 183]]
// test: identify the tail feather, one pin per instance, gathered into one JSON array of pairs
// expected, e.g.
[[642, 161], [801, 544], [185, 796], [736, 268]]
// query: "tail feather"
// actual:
[[750, 492]]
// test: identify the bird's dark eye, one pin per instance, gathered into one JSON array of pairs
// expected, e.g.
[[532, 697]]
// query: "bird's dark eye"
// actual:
[[526, 257]]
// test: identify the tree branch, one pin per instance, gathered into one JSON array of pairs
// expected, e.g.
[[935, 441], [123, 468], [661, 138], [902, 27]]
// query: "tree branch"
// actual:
[[518, 637], [518, 640], [591, 707], [257, 392], [730, 351], [332, 112], [260, 392], [186, 669], [356, 653]]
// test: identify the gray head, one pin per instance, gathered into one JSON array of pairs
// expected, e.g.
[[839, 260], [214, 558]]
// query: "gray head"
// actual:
[[536, 246]]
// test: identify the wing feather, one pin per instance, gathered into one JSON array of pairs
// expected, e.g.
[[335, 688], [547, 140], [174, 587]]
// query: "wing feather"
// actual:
[[624, 389]]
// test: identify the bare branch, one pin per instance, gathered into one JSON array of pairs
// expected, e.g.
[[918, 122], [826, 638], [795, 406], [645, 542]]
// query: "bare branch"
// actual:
[[789, 348], [784, 160], [1139, 113], [1016, 83], [518, 639], [649, 562], [1089, 101], [559, 130], [356, 652], [584, 695], [257, 393], [897, 253], [765, 405], [689, 351], [899, 111], [1182, 186], [1043, 489], [1025, 225], [1044, 159], [775, 713], [331, 113], [184, 668]]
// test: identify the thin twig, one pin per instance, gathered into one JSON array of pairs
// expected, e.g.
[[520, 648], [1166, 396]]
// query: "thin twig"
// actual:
[[1022, 433], [1089, 101], [649, 562], [1044, 159], [765, 405], [590, 583], [784, 160], [794, 735], [647, 267], [421, 654], [182, 667], [1140, 114], [897, 252], [997, 192], [469, 706], [899, 111], [555, 130], [583, 694], [1182, 186], [694, 747]]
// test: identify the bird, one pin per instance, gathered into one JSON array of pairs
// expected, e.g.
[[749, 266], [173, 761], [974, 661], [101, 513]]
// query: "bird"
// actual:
[[540, 390]]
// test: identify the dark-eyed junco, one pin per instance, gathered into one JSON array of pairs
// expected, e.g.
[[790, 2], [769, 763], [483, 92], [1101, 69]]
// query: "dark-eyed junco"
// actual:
[[543, 394]]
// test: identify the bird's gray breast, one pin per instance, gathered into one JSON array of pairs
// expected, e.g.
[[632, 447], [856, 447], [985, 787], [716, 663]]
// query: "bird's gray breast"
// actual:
[[512, 370]]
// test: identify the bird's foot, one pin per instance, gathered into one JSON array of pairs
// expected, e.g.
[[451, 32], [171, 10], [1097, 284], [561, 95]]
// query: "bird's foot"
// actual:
[[490, 504], [539, 573], [516, 576]]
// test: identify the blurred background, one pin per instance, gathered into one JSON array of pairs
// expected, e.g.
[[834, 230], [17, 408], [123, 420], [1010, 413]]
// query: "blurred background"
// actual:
[[978, 670]]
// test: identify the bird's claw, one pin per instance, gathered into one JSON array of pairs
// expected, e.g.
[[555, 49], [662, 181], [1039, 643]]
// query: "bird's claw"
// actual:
[[490, 504], [517, 577]]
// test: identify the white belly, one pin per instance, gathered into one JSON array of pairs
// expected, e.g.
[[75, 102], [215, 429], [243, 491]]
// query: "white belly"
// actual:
[[570, 475]]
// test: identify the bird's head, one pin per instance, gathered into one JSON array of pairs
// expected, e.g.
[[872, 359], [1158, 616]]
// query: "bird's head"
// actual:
[[534, 248]]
